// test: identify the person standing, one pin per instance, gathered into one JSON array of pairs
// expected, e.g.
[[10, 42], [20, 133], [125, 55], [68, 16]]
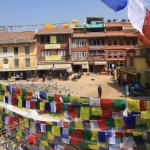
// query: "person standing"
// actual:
[[127, 90], [99, 91], [44, 76]]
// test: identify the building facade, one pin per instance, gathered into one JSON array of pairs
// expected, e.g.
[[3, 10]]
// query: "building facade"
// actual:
[[53, 49], [18, 54], [95, 46]]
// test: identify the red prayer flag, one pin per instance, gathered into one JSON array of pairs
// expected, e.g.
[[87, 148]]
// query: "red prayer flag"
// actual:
[[106, 103], [102, 124]]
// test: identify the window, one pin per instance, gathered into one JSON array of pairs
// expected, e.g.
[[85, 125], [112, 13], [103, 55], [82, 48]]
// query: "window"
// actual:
[[45, 53], [5, 61], [42, 39], [62, 53], [109, 42], [92, 53], [82, 42], [75, 55], [115, 54], [134, 42], [74, 43], [27, 62], [16, 50], [16, 63], [27, 50], [121, 54], [115, 42], [100, 42], [100, 54], [109, 55], [93, 42], [131, 62], [121, 42], [4, 49], [128, 42], [82, 54], [61, 39]]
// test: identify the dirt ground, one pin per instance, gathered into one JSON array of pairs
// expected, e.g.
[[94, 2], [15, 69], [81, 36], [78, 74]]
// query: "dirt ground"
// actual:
[[86, 86]]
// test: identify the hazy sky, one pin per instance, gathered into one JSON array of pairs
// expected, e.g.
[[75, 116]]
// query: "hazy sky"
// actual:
[[22, 12]]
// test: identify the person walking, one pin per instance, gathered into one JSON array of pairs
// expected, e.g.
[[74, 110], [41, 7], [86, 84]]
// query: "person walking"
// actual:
[[44, 76], [99, 91]]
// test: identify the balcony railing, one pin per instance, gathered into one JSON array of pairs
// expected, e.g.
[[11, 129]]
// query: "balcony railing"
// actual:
[[95, 25], [96, 47], [6, 54]]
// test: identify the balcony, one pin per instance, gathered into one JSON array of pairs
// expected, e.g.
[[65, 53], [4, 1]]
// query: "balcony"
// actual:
[[94, 25], [96, 47], [6, 54]]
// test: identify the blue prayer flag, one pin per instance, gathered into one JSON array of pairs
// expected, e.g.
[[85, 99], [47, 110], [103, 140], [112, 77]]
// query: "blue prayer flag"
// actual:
[[116, 5]]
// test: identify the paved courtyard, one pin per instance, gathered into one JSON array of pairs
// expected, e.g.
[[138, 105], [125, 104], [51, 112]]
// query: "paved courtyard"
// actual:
[[86, 86]]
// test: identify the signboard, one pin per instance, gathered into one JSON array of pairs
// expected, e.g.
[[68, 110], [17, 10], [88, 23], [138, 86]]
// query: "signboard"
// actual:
[[5, 66], [53, 39], [52, 46], [53, 57]]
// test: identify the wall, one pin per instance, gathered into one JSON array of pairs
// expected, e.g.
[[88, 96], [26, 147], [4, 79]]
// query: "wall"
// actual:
[[21, 55], [141, 66]]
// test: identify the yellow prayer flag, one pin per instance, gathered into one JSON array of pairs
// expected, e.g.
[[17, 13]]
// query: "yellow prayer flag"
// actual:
[[44, 143], [138, 120], [79, 125], [94, 135], [138, 133], [42, 106], [133, 105], [85, 113], [1, 98], [56, 130], [3, 87], [96, 111], [26, 123], [147, 105], [6, 94], [119, 122], [103, 145], [74, 99], [19, 102], [19, 134], [50, 136], [93, 146], [145, 114]]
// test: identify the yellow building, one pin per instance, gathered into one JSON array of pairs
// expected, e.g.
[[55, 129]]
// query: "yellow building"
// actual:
[[18, 54], [136, 65]]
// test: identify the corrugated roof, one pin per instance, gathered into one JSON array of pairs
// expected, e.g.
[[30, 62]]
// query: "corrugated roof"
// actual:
[[89, 35], [54, 31], [17, 37]]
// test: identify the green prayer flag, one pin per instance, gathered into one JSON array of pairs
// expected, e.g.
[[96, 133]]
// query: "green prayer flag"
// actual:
[[110, 123], [87, 134], [119, 104], [65, 98]]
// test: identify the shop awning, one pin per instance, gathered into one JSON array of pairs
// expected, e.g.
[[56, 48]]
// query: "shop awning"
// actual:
[[100, 63], [80, 63], [85, 66], [44, 67], [62, 66], [17, 69]]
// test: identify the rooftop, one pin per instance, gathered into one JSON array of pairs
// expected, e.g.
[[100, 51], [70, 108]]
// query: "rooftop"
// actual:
[[17, 37], [54, 31]]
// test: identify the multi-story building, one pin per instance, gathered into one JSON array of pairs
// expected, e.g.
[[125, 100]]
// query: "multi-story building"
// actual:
[[120, 42], [88, 46], [18, 54], [53, 49]]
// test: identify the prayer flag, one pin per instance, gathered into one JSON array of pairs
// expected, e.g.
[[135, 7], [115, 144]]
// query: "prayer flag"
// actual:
[[116, 5]]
